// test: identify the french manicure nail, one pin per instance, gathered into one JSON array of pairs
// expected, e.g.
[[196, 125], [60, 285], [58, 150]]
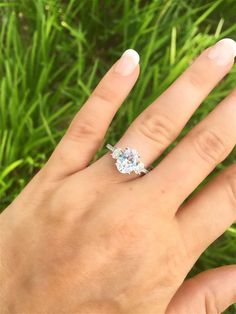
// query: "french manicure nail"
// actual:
[[223, 51], [127, 62]]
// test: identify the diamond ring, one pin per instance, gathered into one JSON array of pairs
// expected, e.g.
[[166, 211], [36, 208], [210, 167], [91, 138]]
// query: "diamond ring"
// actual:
[[127, 160]]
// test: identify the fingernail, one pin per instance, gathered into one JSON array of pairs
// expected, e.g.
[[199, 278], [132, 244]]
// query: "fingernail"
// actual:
[[127, 62], [223, 51]]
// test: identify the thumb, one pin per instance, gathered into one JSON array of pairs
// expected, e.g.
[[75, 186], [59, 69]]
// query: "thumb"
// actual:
[[209, 292]]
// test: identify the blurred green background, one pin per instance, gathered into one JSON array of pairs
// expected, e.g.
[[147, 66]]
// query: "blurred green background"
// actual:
[[53, 53]]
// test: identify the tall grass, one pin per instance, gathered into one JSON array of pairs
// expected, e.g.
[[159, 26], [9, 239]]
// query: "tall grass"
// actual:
[[52, 54]]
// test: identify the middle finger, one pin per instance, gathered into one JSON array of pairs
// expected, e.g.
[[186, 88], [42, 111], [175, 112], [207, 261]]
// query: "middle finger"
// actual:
[[196, 155]]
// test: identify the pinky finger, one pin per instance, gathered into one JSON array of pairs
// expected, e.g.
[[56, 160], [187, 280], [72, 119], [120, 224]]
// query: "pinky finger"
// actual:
[[212, 291], [89, 126]]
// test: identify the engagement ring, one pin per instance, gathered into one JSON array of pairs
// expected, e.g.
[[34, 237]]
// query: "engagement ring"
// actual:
[[127, 160]]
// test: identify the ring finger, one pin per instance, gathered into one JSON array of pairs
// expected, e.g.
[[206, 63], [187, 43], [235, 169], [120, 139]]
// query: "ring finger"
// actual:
[[162, 121]]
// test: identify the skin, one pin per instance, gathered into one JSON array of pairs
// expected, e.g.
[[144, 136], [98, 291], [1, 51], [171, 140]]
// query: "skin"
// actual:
[[84, 238]]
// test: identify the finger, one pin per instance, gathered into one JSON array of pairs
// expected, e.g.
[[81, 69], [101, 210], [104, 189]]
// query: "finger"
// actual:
[[209, 213], [197, 154], [163, 120], [89, 126], [209, 292]]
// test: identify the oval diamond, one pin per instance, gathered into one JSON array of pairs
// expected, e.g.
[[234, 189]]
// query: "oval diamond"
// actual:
[[127, 160]]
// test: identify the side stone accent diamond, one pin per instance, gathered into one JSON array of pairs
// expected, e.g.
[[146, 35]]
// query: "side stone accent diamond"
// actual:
[[116, 153]]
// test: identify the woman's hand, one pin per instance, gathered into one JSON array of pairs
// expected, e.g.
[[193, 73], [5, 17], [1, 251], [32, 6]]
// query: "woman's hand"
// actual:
[[88, 239]]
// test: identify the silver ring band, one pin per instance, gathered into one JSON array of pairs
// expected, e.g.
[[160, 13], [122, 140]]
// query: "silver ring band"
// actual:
[[127, 160]]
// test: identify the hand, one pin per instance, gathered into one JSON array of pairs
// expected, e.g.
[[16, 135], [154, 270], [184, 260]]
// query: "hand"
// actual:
[[85, 238]]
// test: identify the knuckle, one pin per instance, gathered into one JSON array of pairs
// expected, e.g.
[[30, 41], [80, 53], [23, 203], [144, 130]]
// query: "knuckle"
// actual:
[[157, 127], [84, 129], [104, 94], [210, 146], [195, 79]]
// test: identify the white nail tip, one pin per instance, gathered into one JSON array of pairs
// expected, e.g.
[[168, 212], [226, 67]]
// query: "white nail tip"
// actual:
[[132, 53], [230, 42]]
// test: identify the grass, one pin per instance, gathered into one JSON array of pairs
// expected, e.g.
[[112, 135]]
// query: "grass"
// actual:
[[53, 53]]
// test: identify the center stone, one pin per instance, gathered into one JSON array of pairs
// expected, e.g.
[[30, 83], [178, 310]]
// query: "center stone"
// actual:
[[127, 160]]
